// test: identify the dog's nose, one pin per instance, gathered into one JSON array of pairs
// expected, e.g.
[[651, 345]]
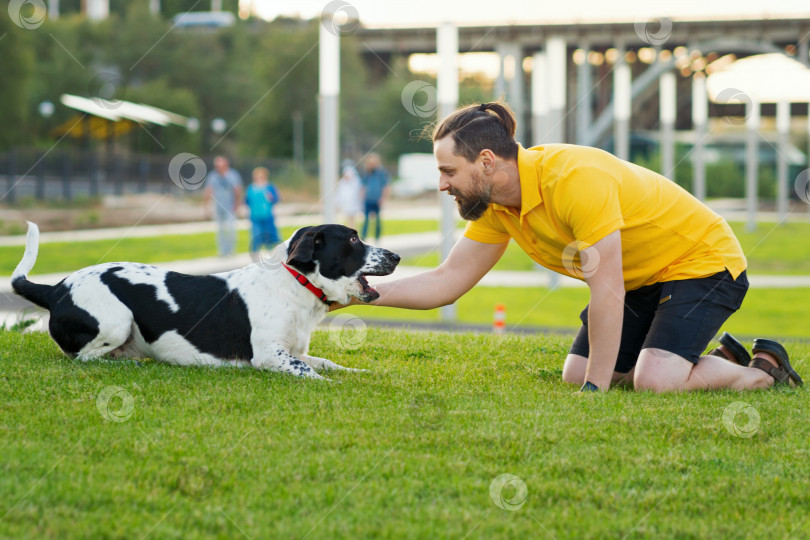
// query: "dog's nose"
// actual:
[[394, 257]]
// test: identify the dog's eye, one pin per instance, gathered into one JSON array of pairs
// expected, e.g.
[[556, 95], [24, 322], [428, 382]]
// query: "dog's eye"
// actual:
[[354, 239]]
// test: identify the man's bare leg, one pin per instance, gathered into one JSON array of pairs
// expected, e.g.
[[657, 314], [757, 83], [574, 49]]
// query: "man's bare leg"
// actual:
[[663, 371]]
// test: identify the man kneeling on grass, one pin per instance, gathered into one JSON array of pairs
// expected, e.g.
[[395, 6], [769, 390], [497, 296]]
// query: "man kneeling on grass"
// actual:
[[664, 271]]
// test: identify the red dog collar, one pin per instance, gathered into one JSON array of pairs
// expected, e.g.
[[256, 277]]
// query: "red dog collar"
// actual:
[[300, 278]]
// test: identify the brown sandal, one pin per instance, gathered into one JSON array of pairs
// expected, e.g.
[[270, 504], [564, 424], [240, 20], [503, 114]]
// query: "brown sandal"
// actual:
[[740, 355], [782, 374]]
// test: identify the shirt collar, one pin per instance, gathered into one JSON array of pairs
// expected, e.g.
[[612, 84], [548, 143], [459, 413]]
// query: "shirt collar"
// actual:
[[530, 197]]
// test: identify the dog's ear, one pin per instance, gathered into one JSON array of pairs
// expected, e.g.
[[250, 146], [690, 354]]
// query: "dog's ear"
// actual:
[[302, 250]]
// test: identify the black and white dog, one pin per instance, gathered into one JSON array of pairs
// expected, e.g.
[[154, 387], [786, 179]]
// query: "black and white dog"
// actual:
[[261, 315]]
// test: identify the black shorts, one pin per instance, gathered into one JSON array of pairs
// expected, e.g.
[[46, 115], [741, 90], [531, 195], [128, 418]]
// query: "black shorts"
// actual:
[[680, 317]]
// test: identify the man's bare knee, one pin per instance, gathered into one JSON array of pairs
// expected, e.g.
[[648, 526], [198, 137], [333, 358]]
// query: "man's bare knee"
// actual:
[[574, 369], [661, 371]]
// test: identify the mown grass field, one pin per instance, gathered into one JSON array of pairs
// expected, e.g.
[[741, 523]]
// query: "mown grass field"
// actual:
[[415, 448]]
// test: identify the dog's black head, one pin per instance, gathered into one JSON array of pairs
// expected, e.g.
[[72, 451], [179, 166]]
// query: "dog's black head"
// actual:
[[335, 260]]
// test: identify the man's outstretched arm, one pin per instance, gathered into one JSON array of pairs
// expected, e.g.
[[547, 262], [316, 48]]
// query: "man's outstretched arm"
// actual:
[[467, 263]]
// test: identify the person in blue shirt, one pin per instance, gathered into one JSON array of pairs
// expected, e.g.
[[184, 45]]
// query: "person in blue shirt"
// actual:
[[375, 192], [260, 197]]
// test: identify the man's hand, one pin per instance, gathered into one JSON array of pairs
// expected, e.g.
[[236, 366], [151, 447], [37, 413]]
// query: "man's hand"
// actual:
[[352, 302], [464, 267], [589, 387]]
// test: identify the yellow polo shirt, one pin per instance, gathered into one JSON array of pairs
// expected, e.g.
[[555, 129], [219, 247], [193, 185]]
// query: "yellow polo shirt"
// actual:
[[573, 196]]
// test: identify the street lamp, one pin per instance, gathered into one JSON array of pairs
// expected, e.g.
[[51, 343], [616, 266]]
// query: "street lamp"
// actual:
[[218, 126], [46, 109]]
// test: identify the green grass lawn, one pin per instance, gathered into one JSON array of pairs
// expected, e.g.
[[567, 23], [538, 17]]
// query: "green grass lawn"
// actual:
[[776, 249], [415, 448], [70, 256], [765, 312]]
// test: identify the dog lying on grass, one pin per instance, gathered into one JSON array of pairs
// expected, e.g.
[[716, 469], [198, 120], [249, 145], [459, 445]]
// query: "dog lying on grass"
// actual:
[[261, 315]]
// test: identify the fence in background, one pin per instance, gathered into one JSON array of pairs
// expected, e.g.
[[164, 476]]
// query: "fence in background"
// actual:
[[68, 174]]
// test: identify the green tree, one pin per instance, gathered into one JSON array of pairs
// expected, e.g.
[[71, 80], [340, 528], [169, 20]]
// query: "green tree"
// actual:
[[68, 55], [392, 117], [171, 139], [16, 65], [170, 8], [286, 73], [256, 75], [212, 67]]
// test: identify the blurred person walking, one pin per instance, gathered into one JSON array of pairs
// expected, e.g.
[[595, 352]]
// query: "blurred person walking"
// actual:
[[349, 193], [260, 198], [223, 189], [375, 193]]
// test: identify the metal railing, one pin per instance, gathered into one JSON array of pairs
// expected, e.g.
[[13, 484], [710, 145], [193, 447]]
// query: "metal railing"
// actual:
[[27, 173]]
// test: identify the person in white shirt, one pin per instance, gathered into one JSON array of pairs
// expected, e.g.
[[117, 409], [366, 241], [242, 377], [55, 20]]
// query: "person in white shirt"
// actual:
[[348, 196]]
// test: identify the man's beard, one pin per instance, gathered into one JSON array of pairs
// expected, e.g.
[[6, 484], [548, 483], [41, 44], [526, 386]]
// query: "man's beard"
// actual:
[[472, 205]]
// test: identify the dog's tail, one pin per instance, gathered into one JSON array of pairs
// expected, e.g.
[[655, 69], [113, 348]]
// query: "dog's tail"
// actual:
[[36, 293]]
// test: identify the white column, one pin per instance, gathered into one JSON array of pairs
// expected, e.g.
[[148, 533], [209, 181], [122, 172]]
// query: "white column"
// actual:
[[700, 117], [510, 82], [783, 131], [539, 99], [500, 79], [808, 154], [517, 99], [584, 112], [667, 109], [53, 9], [557, 63], [621, 106], [752, 163], [328, 99], [98, 10], [216, 5], [154, 7], [447, 81]]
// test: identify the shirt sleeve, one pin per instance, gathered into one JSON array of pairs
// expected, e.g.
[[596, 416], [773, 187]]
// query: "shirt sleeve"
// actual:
[[588, 202], [487, 229]]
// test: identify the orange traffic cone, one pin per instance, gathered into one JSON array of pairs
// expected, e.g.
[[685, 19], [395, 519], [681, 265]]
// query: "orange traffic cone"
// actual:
[[499, 323]]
